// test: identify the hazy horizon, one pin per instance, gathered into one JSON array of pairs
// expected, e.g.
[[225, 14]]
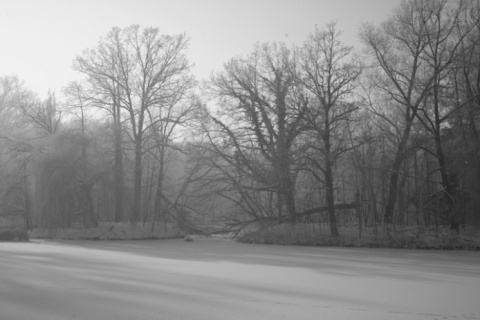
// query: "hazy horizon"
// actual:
[[40, 39]]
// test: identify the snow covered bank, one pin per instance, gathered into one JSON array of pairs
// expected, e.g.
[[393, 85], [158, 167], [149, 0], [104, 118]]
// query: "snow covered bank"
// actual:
[[110, 231], [407, 238]]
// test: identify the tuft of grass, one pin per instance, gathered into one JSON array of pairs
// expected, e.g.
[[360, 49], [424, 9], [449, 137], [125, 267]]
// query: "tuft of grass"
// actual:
[[318, 235]]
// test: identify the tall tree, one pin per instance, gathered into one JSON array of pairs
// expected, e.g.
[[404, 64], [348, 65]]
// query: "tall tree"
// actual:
[[141, 69], [167, 119], [258, 120], [78, 105], [16, 150], [461, 141], [101, 91], [396, 48], [329, 74], [445, 31]]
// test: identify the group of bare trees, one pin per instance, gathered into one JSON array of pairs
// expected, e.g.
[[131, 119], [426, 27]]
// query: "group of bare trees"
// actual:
[[416, 56], [283, 118], [290, 124], [141, 77], [109, 148], [386, 136]]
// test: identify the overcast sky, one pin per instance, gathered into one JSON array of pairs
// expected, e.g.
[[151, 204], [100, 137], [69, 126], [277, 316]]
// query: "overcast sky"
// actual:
[[40, 38]]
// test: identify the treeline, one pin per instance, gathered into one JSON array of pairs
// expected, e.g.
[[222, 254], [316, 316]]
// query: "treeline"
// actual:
[[384, 136]]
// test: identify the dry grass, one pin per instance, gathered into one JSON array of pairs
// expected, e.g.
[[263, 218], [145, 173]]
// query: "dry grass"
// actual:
[[410, 237]]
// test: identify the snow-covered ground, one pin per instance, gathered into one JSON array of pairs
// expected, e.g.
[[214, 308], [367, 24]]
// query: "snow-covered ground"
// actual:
[[221, 279]]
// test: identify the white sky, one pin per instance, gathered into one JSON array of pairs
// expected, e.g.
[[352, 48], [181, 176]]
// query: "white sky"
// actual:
[[40, 38]]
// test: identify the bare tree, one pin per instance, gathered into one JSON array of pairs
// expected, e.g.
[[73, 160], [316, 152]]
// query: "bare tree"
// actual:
[[258, 119], [167, 118], [446, 31], [43, 115], [16, 150], [101, 91], [143, 69], [396, 48], [329, 75]]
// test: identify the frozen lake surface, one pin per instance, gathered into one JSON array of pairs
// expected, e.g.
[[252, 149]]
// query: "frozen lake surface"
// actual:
[[222, 279]]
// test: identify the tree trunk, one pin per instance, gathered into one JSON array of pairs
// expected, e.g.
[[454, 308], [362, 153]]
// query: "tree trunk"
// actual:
[[137, 189], [28, 214], [157, 210], [330, 194], [86, 203], [330, 197], [446, 184], [395, 171], [290, 201], [392, 190], [118, 165], [287, 188]]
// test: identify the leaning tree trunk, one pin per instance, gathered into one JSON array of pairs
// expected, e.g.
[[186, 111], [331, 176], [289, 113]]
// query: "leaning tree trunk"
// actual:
[[395, 171]]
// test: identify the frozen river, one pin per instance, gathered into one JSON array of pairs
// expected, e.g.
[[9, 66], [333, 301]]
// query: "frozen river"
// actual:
[[222, 279]]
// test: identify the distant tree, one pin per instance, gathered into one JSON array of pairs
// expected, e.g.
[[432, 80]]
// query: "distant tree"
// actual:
[[17, 150], [44, 116], [77, 105], [86, 170], [13, 95]]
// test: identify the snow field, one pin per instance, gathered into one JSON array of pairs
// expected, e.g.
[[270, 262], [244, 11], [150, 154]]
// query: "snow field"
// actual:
[[222, 279]]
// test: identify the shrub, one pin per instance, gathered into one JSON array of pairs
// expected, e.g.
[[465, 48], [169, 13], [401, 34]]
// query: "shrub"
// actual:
[[13, 235]]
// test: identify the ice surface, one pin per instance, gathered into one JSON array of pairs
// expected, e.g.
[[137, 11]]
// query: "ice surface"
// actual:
[[221, 279]]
